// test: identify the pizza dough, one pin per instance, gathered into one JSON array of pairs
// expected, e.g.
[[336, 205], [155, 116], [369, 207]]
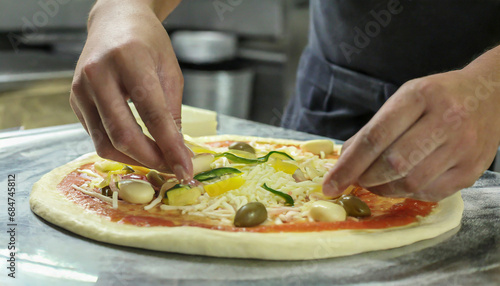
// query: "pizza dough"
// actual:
[[56, 208]]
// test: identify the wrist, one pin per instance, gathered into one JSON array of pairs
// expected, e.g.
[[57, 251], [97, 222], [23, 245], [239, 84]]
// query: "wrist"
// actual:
[[106, 9]]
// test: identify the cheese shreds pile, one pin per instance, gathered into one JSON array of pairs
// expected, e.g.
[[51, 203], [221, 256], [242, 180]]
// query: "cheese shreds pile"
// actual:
[[224, 206]]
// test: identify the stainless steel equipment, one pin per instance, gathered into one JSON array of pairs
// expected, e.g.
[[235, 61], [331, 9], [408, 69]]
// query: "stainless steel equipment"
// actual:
[[48, 255], [213, 78], [224, 91], [204, 47], [271, 35]]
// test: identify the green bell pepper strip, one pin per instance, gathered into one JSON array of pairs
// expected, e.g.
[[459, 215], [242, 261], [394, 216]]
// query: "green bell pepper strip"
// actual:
[[263, 159], [288, 199], [215, 173]]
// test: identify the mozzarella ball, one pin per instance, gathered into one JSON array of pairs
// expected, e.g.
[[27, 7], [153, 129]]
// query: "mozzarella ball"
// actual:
[[135, 191], [327, 211]]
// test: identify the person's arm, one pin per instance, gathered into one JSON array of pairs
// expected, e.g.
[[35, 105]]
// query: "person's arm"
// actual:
[[433, 137], [128, 55]]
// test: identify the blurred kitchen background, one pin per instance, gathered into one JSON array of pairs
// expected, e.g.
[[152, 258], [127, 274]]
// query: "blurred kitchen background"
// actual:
[[238, 57]]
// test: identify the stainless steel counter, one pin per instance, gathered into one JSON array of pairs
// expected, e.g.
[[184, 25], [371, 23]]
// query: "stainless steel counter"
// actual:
[[49, 255]]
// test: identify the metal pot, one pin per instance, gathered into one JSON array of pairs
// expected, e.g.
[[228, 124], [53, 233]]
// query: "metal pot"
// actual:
[[227, 92], [213, 77], [204, 47]]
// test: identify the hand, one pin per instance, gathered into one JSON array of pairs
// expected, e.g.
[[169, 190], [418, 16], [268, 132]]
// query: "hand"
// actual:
[[128, 55], [433, 137]]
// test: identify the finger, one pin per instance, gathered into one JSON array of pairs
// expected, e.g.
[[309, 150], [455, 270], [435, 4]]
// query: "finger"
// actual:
[[173, 92], [95, 129], [447, 184], [394, 118], [145, 88], [103, 144], [460, 176], [76, 110], [416, 183], [410, 149], [347, 143], [118, 122]]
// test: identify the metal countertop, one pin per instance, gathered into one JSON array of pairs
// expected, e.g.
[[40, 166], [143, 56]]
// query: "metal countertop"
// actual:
[[49, 255]]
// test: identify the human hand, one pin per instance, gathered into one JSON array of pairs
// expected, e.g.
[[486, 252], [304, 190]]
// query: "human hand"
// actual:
[[128, 55], [433, 137]]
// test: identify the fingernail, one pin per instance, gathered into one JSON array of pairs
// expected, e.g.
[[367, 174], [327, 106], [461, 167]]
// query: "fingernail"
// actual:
[[181, 173]]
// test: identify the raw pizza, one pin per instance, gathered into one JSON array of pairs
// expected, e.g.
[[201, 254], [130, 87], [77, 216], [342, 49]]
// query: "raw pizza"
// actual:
[[251, 198]]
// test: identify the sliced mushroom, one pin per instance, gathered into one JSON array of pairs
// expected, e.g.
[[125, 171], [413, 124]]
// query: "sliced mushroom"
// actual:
[[242, 146], [155, 178], [318, 146], [299, 176], [201, 162]]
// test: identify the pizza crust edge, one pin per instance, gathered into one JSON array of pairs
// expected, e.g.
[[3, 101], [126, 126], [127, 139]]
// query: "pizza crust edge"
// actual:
[[54, 207]]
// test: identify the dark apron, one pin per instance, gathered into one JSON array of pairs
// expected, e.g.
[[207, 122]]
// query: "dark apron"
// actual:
[[333, 101], [338, 93]]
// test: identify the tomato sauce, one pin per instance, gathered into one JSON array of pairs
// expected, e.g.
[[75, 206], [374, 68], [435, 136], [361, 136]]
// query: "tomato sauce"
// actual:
[[219, 144], [386, 212]]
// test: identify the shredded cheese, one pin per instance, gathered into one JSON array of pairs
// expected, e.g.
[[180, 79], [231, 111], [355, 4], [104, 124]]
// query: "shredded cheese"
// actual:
[[89, 172], [225, 206], [115, 200], [157, 200], [93, 194]]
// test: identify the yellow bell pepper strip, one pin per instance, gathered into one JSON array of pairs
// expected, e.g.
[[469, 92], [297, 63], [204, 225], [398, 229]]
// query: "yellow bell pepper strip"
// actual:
[[237, 159], [280, 165], [288, 199], [104, 182], [105, 166], [215, 173], [125, 170], [140, 169], [128, 169], [220, 187]]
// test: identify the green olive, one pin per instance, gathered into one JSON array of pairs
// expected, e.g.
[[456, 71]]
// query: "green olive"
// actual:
[[354, 206], [251, 214], [106, 191], [155, 179], [242, 146]]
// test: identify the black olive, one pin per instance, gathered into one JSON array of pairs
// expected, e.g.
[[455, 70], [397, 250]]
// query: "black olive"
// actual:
[[106, 191]]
